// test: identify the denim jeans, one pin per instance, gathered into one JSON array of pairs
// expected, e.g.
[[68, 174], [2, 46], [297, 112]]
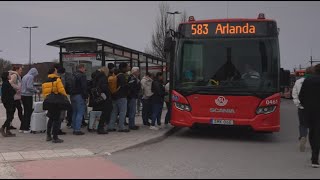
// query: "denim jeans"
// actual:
[[78, 109], [93, 116], [119, 107], [156, 114], [303, 130], [132, 104]]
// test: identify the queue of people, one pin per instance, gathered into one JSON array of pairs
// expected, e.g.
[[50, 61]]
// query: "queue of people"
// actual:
[[111, 93]]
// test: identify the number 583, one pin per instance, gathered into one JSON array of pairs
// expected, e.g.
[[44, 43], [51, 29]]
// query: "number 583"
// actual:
[[199, 29]]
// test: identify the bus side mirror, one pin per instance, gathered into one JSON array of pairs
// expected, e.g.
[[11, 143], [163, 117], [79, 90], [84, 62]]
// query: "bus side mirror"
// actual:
[[284, 77], [168, 42]]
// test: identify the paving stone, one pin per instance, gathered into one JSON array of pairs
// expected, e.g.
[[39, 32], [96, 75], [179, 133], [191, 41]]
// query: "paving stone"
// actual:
[[11, 156], [30, 155]]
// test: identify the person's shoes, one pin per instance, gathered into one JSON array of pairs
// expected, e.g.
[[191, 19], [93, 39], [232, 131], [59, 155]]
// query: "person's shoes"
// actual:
[[112, 130], [126, 124], [154, 128], [3, 132], [27, 132], [12, 127], [124, 130], [134, 128], [9, 134], [84, 124], [57, 140], [315, 164], [102, 131], [69, 125], [147, 124], [303, 141], [49, 138], [61, 132], [78, 133], [90, 130]]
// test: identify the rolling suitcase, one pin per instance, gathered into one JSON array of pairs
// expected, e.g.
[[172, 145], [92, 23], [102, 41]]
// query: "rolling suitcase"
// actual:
[[39, 118], [38, 122]]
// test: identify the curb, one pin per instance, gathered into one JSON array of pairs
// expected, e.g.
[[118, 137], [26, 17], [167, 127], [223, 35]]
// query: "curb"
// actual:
[[152, 140]]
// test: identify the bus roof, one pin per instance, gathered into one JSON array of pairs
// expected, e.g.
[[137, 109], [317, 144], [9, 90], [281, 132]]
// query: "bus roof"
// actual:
[[228, 20]]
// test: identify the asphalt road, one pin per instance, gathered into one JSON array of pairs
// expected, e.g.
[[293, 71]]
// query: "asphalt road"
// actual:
[[223, 153]]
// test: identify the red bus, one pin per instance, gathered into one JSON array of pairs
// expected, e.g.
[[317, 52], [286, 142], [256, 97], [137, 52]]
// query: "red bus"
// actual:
[[225, 72]]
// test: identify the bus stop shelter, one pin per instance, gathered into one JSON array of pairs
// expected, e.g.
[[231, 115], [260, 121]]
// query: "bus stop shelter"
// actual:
[[96, 52]]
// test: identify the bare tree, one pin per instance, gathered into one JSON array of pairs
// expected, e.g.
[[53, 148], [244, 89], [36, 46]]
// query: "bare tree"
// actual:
[[5, 65], [163, 24], [183, 17]]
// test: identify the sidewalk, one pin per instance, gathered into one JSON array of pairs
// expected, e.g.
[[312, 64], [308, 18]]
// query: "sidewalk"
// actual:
[[34, 147]]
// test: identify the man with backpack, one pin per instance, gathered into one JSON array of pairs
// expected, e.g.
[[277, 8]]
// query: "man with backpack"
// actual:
[[119, 88], [78, 98]]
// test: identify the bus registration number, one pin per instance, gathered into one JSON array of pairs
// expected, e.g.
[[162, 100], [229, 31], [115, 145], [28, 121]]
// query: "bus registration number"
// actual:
[[223, 122]]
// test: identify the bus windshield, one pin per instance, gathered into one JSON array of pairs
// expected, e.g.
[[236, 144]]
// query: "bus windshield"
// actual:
[[228, 65]]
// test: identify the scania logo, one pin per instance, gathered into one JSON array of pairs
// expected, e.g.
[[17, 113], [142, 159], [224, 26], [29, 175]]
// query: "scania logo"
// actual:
[[221, 110], [221, 101]]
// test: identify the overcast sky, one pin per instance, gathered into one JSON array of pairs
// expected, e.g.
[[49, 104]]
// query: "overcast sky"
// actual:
[[131, 24]]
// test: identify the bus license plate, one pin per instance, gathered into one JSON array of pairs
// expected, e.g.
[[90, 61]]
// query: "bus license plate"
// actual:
[[223, 122]]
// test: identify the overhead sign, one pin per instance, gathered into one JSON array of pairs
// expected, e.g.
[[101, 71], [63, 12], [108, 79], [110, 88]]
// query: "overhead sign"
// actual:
[[229, 29], [79, 57]]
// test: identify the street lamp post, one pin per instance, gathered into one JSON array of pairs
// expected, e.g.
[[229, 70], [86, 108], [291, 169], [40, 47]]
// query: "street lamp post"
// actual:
[[30, 27], [174, 17]]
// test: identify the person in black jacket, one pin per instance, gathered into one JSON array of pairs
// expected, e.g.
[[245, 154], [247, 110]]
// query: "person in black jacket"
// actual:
[[309, 97], [157, 100], [134, 89], [78, 98], [7, 99], [100, 82], [120, 99]]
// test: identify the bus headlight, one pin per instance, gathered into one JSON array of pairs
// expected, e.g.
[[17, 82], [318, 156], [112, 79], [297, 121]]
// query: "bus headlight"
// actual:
[[182, 107], [265, 109]]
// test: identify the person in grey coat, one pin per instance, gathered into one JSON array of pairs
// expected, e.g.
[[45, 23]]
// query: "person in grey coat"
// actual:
[[27, 91]]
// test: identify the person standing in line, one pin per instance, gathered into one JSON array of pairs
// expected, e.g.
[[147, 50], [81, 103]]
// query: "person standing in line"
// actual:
[[146, 84], [16, 84], [120, 100], [157, 100], [7, 99], [303, 130], [309, 97], [100, 82], [134, 89], [168, 104], [27, 92], [78, 99], [55, 85]]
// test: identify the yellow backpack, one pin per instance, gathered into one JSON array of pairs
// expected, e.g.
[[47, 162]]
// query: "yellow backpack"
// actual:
[[113, 85]]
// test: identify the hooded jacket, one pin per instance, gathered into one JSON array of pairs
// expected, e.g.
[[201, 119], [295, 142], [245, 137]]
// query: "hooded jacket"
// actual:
[[27, 83], [16, 84], [146, 84], [7, 92]]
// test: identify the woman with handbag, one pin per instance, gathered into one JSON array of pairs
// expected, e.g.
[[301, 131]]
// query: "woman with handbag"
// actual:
[[53, 87]]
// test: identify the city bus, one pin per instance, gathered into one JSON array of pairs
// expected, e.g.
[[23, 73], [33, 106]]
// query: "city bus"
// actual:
[[225, 72]]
